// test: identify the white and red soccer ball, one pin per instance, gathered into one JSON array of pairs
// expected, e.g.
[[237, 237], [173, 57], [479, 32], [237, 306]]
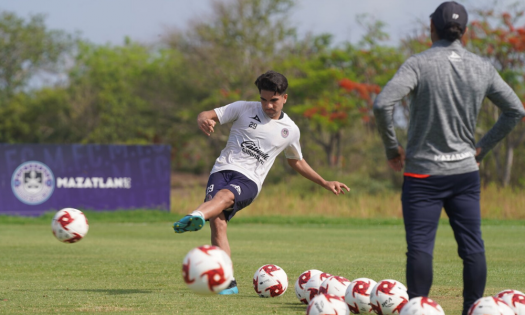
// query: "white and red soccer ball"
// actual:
[[388, 297], [514, 299], [207, 270], [357, 295], [270, 281], [300, 284], [334, 285], [490, 305], [311, 287], [323, 304], [422, 305], [503, 293], [69, 225]]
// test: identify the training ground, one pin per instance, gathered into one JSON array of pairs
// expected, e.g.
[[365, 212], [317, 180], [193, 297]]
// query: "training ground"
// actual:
[[130, 262]]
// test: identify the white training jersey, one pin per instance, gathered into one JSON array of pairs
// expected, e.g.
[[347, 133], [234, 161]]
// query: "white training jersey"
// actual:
[[255, 140]]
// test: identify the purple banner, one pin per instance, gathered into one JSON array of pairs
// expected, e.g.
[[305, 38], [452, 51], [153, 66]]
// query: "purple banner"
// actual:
[[39, 178]]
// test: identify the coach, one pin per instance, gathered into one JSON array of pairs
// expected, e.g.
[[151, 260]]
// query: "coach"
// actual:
[[447, 85]]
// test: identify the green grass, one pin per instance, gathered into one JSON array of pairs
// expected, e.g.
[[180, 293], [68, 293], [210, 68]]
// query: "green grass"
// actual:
[[125, 265]]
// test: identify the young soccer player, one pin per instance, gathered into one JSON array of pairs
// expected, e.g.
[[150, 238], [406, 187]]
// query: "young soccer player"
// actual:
[[260, 131], [447, 85]]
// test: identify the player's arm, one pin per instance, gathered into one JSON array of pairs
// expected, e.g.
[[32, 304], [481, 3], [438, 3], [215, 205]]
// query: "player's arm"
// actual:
[[206, 121], [303, 168]]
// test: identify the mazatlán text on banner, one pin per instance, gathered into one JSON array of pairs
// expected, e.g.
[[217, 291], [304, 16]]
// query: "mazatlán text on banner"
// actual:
[[37, 178]]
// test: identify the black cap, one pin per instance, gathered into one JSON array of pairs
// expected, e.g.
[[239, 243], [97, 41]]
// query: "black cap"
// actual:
[[448, 13]]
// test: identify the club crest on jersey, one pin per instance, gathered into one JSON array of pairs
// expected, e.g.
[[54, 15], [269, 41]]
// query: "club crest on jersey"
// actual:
[[256, 117], [285, 132]]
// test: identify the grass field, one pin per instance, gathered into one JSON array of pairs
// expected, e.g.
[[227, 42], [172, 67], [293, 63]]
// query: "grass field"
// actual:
[[304, 198], [131, 263]]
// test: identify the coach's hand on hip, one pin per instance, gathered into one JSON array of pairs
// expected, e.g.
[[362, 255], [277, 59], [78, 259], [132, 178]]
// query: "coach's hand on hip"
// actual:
[[398, 162]]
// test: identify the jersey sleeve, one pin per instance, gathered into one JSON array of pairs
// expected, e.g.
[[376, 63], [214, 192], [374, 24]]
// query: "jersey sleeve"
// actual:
[[403, 83], [230, 112], [293, 151]]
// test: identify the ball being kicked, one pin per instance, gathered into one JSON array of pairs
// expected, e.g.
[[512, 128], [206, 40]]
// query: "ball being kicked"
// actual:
[[69, 225]]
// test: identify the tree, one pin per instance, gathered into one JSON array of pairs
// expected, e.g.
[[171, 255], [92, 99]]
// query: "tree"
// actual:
[[337, 87], [225, 52], [26, 49]]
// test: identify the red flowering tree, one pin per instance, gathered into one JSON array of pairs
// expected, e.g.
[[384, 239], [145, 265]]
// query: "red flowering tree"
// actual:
[[349, 103], [334, 90]]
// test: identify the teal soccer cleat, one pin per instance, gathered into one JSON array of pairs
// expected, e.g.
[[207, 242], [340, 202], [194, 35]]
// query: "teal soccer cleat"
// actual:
[[231, 289], [189, 223]]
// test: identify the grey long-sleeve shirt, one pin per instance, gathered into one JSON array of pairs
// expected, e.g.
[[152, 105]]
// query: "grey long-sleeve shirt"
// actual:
[[447, 85]]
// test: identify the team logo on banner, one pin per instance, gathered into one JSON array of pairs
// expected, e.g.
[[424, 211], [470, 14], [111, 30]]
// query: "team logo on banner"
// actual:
[[33, 183]]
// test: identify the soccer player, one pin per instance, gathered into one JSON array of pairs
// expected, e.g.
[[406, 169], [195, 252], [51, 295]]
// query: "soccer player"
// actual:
[[447, 85], [260, 131]]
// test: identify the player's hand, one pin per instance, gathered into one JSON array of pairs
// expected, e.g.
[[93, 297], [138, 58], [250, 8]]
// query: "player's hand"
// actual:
[[398, 162], [336, 187], [206, 125]]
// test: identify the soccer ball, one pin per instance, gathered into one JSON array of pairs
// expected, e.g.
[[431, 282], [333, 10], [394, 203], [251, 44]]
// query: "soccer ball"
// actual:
[[300, 284], [334, 285], [388, 296], [490, 305], [270, 281], [324, 304], [207, 270], [69, 225], [357, 295], [311, 287], [507, 292], [422, 305], [515, 300]]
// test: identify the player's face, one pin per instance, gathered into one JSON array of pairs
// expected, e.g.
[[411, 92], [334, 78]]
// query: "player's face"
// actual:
[[272, 103]]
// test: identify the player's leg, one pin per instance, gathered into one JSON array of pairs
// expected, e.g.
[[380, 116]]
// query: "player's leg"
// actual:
[[219, 237], [244, 191], [422, 204], [217, 199], [463, 210], [221, 201], [194, 221]]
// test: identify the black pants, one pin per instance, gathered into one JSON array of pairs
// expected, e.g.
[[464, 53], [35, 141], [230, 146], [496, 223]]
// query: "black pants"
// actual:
[[423, 199]]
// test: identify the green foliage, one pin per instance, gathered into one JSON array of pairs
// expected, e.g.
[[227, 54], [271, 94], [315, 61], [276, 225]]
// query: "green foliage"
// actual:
[[42, 116], [139, 94], [103, 89], [27, 48]]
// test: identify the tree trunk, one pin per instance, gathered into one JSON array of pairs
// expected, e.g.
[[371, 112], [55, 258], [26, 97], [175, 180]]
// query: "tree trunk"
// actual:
[[509, 158]]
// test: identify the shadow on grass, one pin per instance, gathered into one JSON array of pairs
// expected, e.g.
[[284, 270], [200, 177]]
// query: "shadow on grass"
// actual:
[[108, 291]]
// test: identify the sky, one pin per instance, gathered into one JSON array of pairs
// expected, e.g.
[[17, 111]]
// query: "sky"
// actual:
[[110, 21]]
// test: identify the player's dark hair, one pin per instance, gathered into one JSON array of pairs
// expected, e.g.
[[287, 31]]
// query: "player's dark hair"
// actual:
[[450, 32], [272, 81]]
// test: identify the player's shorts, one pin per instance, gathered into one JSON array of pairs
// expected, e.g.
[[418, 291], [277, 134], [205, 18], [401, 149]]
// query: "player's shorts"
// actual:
[[244, 189]]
